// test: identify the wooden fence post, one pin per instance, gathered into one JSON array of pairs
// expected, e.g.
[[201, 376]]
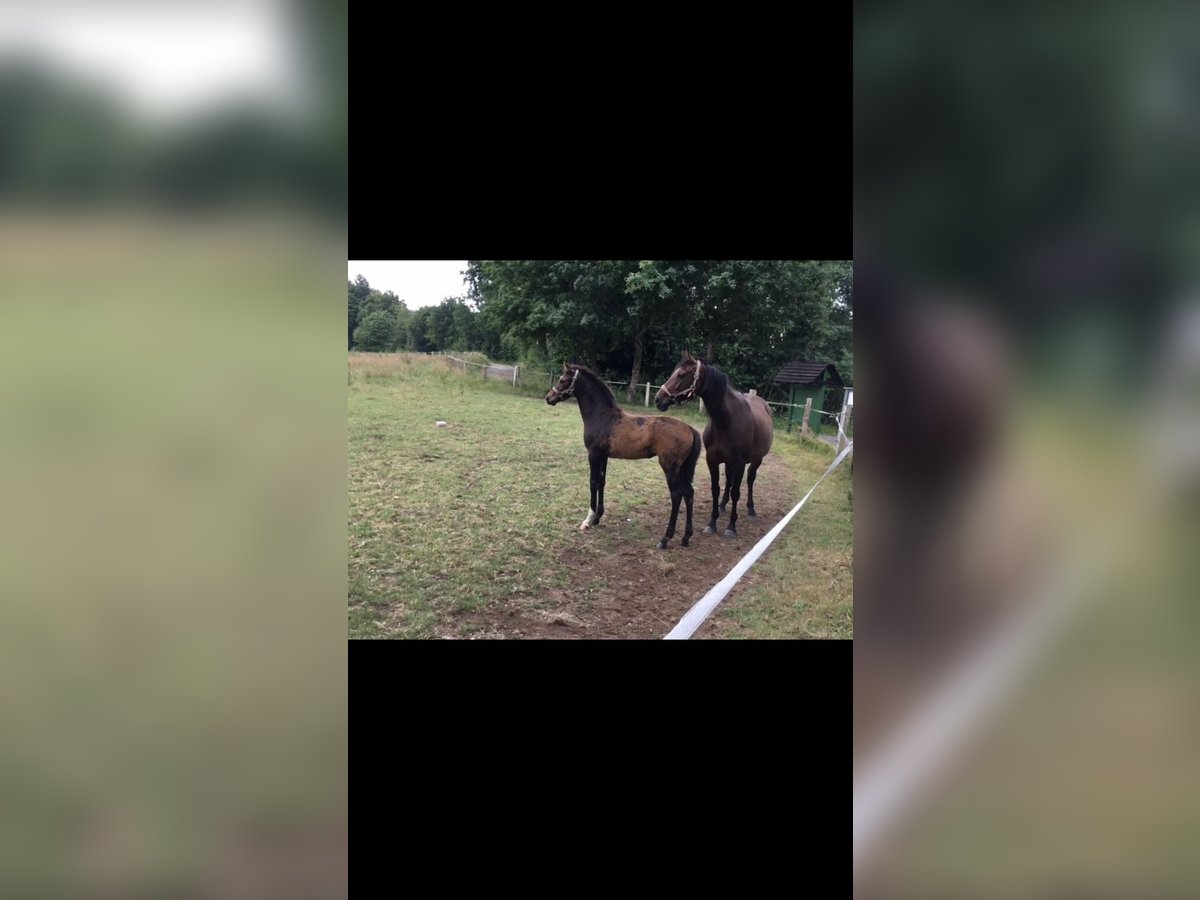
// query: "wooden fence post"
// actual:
[[515, 375], [647, 393], [804, 421]]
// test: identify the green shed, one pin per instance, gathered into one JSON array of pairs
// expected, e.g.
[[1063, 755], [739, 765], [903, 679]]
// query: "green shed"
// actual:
[[802, 379]]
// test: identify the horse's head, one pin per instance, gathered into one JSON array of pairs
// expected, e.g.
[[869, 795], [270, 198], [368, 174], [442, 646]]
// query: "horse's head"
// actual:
[[683, 384], [566, 385]]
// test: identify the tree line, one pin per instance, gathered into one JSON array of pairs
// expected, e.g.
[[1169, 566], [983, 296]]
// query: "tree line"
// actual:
[[628, 319], [70, 143], [381, 321]]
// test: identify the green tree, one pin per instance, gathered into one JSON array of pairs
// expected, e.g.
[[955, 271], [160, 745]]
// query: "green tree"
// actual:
[[491, 340], [374, 331], [365, 302], [543, 306], [440, 330], [418, 329], [548, 311], [379, 301], [791, 307], [400, 330], [750, 316], [357, 291], [655, 297], [465, 331]]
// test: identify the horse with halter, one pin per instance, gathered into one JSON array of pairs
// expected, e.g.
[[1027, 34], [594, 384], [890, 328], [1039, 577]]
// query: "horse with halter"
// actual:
[[609, 431], [739, 432]]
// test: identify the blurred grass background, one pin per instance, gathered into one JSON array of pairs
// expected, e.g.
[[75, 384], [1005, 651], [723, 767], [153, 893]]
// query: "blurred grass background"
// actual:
[[172, 650], [1028, 344]]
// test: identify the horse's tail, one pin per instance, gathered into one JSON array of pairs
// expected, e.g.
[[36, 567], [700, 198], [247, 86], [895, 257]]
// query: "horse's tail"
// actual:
[[689, 466]]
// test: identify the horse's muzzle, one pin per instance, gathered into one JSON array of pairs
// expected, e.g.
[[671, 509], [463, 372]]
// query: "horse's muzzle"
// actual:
[[662, 401], [552, 398]]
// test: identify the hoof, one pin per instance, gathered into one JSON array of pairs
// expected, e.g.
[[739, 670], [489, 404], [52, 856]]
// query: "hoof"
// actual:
[[684, 542], [710, 530], [751, 515], [585, 527], [729, 532], [661, 545]]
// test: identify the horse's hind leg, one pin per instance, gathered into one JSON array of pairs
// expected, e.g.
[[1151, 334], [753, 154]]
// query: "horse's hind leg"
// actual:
[[725, 497], [714, 470], [676, 496], [687, 497], [750, 489]]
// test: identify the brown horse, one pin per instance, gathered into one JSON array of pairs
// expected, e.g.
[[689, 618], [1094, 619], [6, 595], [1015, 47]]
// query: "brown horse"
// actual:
[[610, 431], [739, 430]]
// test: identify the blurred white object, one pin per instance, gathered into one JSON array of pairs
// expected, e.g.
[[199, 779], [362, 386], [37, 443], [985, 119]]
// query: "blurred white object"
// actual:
[[891, 782], [440, 424], [1175, 432], [168, 61]]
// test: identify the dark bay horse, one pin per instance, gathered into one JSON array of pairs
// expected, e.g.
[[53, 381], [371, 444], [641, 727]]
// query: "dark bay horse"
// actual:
[[610, 431], [739, 430]]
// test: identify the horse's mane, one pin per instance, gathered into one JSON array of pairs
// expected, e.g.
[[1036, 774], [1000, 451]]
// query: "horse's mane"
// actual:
[[596, 378], [720, 381]]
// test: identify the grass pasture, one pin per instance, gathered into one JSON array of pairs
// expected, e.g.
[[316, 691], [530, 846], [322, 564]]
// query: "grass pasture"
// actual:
[[471, 530]]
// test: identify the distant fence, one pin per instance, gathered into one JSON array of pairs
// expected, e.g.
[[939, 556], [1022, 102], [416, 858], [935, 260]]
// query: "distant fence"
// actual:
[[646, 391]]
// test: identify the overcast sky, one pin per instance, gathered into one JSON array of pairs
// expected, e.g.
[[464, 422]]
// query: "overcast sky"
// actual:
[[165, 59], [418, 282]]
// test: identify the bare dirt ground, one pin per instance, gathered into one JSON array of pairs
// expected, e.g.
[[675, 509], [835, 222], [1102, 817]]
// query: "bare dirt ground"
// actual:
[[635, 591]]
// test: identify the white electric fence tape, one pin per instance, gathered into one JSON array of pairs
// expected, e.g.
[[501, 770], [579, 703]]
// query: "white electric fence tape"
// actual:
[[886, 785], [705, 605]]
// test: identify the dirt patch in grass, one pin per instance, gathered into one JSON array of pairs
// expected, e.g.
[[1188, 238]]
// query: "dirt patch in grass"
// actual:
[[633, 590]]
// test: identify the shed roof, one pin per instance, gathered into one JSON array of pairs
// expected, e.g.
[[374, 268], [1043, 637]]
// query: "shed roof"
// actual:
[[802, 371]]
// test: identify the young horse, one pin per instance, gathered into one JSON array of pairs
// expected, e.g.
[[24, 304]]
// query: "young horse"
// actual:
[[610, 431], [739, 430]]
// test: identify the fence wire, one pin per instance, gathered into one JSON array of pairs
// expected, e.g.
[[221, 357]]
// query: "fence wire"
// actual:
[[641, 385]]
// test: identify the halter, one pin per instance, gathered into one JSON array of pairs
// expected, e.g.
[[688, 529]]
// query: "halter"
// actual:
[[687, 393], [569, 391]]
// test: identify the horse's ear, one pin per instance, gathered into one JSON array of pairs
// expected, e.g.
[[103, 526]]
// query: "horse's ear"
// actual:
[[687, 357], [565, 369]]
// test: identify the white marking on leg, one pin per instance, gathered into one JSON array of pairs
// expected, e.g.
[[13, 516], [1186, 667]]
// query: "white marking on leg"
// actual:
[[586, 524]]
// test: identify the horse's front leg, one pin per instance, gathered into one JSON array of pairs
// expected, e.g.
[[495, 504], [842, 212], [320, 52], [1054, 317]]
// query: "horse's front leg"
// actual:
[[725, 496], [599, 507], [598, 463], [586, 524]]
